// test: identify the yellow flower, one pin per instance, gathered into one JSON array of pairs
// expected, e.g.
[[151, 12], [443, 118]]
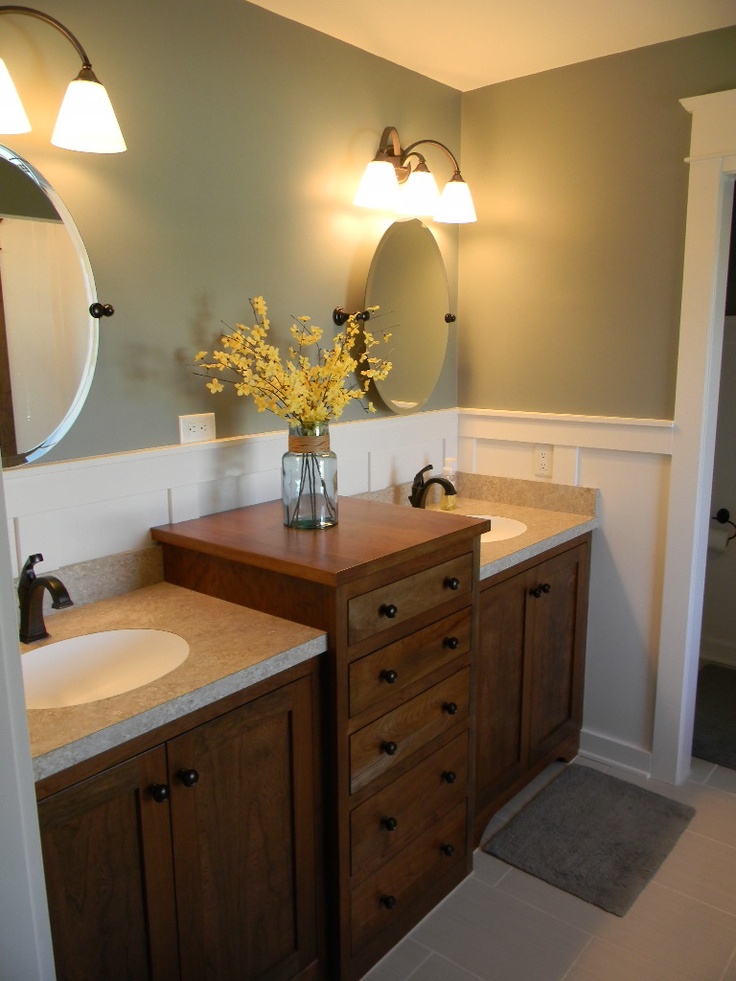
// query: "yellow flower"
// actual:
[[300, 389]]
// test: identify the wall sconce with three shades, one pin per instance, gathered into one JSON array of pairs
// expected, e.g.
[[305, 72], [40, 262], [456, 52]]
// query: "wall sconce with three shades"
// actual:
[[399, 180], [86, 120]]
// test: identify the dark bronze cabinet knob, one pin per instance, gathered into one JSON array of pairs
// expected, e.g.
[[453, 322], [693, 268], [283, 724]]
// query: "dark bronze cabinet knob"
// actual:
[[448, 850], [388, 901], [160, 792], [543, 587], [452, 642], [389, 611], [390, 823], [188, 777], [389, 677], [452, 583], [390, 748], [449, 776], [450, 708]]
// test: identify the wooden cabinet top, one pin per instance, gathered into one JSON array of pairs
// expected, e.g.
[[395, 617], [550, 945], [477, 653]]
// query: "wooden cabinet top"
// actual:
[[367, 533]]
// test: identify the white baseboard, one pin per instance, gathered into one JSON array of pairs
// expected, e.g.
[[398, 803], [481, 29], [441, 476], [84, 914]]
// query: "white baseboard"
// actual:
[[603, 749]]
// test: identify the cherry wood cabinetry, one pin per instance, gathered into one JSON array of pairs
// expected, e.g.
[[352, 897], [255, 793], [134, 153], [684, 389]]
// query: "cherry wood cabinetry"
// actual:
[[531, 654], [395, 589], [195, 859]]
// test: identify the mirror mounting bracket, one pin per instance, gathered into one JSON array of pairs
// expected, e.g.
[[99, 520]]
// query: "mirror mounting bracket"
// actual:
[[98, 310], [341, 316]]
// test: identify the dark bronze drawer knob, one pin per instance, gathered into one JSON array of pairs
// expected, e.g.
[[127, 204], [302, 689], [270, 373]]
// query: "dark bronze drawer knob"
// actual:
[[452, 642], [388, 610], [390, 677], [449, 776], [389, 748], [452, 583], [390, 824], [188, 777], [450, 708], [448, 850], [160, 792], [543, 587], [388, 901]]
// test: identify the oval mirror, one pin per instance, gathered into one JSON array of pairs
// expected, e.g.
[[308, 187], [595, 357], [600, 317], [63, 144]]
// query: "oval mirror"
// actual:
[[48, 338], [408, 281]]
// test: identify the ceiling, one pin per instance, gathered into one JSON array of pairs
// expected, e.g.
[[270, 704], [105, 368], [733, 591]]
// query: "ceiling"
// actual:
[[470, 43]]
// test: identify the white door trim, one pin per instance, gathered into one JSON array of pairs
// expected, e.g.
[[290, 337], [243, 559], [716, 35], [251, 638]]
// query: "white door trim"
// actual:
[[710, 196]]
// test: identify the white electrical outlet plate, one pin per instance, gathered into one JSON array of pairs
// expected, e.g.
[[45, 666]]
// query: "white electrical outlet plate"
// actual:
[[197, 428], [543, 461]]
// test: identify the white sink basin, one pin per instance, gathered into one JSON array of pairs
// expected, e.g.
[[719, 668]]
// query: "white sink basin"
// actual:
[[501, 528], [84, 669]]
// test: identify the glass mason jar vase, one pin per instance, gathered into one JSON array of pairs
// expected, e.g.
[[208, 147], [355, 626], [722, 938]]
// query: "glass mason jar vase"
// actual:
[[309, 478]]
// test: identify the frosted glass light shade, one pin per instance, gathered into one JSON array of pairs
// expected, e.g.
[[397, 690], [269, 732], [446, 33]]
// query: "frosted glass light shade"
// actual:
[[456, 203], [419, 196], [13, 118], [378, 187], [87, 120]]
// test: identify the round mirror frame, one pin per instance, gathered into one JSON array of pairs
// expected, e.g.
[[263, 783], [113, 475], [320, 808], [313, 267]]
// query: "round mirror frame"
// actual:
[[407, 280], [30, 455]]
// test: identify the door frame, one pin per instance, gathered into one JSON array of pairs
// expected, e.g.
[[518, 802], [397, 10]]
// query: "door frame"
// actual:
[[712, 163]]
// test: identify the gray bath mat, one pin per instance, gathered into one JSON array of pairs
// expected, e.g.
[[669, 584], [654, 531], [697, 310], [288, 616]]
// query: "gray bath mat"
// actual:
[[714, 738], [594, 836]]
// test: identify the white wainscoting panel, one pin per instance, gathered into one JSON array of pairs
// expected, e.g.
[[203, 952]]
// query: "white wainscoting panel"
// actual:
[[100, 506], [628, 461]]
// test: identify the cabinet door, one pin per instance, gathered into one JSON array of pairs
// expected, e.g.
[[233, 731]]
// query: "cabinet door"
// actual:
[[500, 747], [556, 608], [244, 843], [531, 661], [107, 858]]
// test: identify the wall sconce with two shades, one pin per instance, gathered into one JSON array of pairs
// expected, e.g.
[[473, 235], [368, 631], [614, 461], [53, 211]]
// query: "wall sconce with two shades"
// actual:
[[86, 120], [399, 180]]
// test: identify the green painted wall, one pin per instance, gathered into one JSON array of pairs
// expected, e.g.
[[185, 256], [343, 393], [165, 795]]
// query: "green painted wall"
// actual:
[[247, 135], [570, 281]]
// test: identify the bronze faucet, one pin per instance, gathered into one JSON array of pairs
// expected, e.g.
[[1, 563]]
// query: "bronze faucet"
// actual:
[[420, 487], [30, 598]]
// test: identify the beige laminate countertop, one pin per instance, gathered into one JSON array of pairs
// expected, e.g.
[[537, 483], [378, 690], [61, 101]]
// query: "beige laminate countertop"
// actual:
[[231, 648], [553, 513], [545, 530]]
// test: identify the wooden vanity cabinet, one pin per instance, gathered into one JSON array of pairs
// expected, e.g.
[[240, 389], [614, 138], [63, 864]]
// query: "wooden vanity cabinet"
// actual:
[[395, 589], [195, 859], [531, 659]]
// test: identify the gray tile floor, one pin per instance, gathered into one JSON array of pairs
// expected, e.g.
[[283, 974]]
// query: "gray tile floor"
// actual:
[[504, 925]]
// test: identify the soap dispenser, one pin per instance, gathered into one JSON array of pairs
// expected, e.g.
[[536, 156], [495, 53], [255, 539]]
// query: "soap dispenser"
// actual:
[[448, 472]]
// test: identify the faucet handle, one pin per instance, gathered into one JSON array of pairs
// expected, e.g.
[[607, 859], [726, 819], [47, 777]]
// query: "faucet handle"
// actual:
[[419, 478], [27, 572], [418, 484]]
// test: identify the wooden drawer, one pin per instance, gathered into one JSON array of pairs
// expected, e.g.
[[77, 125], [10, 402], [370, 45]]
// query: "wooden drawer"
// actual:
[[382, 825], [384, 896], [381, 608], [386, 671], [380, 745]]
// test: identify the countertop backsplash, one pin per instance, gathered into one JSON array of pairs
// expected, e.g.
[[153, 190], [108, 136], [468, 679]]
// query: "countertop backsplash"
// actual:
[[503, 490], [108, 576]]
